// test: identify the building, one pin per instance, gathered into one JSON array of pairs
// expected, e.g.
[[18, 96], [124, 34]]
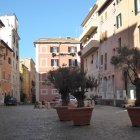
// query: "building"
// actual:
[[24, 83], [116, 25], [52, 53], [89, 39], [10, 36], [5, 70], [30, 64]]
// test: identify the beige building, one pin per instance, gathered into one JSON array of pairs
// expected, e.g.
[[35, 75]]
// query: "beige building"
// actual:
[[117, 24], [31, 77], [52, 53], [90, 43]]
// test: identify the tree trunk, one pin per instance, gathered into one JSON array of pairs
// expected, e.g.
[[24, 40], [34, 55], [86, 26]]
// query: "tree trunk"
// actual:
[[80, 103], [137, 84], [65, 99]]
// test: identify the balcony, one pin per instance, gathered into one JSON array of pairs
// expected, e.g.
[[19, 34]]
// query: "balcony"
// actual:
[[92, 46], [89, 30]]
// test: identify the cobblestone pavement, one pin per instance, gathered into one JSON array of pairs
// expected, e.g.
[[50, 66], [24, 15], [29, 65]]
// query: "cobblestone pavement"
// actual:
[[23, 122]]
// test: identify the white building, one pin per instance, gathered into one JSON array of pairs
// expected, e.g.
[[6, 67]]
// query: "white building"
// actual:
[[10, 35]]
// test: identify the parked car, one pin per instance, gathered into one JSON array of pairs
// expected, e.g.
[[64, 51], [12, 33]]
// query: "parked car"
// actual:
[[72, 99], [10, 100]]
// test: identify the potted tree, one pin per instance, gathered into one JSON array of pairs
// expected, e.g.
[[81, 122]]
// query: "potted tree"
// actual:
[[80, 84], [60, 78], [129, 59]]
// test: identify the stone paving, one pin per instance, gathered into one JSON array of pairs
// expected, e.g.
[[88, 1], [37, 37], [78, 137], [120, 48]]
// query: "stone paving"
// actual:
[[23, 122]]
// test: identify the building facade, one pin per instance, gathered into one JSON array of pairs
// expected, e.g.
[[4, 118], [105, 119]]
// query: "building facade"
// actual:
[[5, 70], [24, 82], [117, 24], [52, 53], [10, 36], [30, 64], [90, 43]]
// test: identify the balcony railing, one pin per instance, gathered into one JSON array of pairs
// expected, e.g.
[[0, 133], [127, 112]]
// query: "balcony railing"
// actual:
[[92, 46], [91, 28]]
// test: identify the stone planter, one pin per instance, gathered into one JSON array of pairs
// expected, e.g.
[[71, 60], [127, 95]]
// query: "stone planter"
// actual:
[[134, 114], [63, 113], [81, 116]]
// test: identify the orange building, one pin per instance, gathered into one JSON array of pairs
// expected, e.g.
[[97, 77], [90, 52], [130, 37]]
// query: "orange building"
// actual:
[[52, 53], [5, 70]]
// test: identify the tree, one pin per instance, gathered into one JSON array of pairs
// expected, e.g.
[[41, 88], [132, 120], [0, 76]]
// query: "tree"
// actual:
[[60, 78], [129, 60], [80, 83], [71, 80]]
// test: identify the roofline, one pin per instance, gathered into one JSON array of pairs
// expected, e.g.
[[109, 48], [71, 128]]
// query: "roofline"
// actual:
[[9, 14], [104, 5], [89, 14], [2, 23], [6, 45]]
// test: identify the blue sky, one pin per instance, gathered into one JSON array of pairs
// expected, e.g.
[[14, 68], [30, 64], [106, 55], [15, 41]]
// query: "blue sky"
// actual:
[[46, 18]]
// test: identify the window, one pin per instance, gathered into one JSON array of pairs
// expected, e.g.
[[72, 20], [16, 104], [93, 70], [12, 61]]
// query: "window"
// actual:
[[101, 59], [6, 51], [9, 60], [92, 59], [97, 60], [54, 49], [101, 19], [54, 62], [55, 91], [72, 62], [42, 49], [105, 15], [119, 42], [137, 6], [118, 1], [105, 64], [72, 49], [43, 62], [119, 20], [44, 91]]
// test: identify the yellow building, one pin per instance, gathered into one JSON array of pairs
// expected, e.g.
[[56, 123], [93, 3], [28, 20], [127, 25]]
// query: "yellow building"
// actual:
[[24, 82], [30, 64]]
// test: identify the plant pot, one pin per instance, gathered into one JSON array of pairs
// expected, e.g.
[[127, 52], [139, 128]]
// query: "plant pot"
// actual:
[[134, 114], [81, 116], [63, 113]]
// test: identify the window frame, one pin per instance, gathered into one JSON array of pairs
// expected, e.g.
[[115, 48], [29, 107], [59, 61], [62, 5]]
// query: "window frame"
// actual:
[[72, 49], [41, 92], [72, 62], [119, 20], [137, 6], [52, 62], [54, 49]]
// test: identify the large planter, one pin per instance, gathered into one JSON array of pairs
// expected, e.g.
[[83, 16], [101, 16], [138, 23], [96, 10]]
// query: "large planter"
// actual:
[[134, 114], [81, 116], [63, 113]]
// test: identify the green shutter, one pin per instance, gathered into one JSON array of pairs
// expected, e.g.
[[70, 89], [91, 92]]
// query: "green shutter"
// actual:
[[120, 19], [136, 6], [117, 22]]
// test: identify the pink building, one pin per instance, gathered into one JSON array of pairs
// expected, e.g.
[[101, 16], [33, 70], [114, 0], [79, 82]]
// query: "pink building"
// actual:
[[113, 24], [52, 53]]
